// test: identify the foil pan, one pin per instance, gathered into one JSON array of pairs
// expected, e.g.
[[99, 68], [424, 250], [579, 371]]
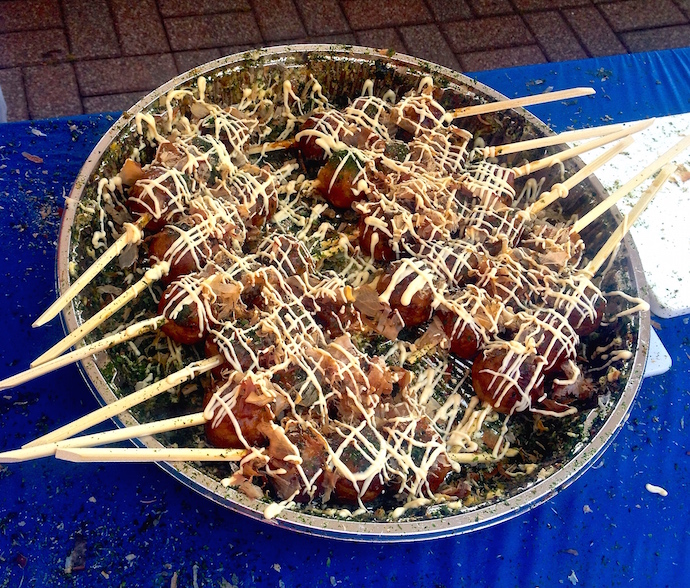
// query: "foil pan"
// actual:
[[342, 71]]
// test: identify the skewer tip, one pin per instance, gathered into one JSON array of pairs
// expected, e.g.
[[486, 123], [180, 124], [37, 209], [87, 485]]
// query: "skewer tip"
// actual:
[[68, 455], [27, 454]]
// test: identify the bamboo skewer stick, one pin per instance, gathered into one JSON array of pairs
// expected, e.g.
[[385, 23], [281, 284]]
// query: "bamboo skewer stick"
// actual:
[[560, 138], [519, 102], [629, 219], [540, 164], [561, 190], [135, 330], [132, 234], [48, 449], [153, 274], [146, 455], [98, 416], [633, 183]]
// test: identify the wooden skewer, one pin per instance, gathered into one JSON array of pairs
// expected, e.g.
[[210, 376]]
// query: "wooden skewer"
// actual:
[[629, 220], [153, 274], [132, 234], [628, 187], [150, 454], [98, 416], [565, 137], [540, 164], [48, 449], [135, 330], [519, 102], [561, 190], [268, 147]]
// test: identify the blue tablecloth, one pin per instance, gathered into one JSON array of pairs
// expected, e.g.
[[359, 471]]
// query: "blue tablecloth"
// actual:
[[139, 527]]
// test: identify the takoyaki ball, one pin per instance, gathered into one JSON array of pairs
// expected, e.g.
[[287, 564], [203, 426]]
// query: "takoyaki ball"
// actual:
[[461, 332], [418, 114], [557, 340], [405, 286], [288, 254], [498, 229], [508, 381], [171, 245], [378, 385], [313, 459], [184, 324], [351, 459], [343, 180], [328, 126], [333, 310], [365, 139], [585, 323], [439, 469], [248, 418], [571, 385], [377, 235], [245, 348], [438, 472], [259, 196], [153, 194], [488, 184], [452, 259], [228, 128], [370, 112], [549, 333], [581, 303], [211, 349], [556, 246], [504, 281]]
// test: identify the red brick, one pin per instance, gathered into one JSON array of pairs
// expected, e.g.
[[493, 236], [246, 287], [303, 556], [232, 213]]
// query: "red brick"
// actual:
[[139, 27], [554, 35], [639, 14], [236, 49], [32, 47], [593, 31], [382, 39], [24, 15], [124, 74], [186, 60], [373, 14], [490, 7], [90, 29], [278, 20], [185, 8], [487, 33], [341, 39], [51, 90], [322, 17], [512, 57], [445, 10], [427, 42], [12, 86], [112, 102], [213, 30], [527, 5], [657, 39]]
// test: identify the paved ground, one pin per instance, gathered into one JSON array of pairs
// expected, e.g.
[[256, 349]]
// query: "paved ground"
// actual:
[[61, 57]]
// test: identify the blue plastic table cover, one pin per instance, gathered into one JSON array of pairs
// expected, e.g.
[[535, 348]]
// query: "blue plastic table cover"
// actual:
[[137, 526]]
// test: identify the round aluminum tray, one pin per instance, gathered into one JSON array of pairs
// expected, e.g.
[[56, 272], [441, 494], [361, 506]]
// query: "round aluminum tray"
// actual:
[[341, 71]]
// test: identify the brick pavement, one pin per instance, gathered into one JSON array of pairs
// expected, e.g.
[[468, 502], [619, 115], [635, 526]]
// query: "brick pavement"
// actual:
[[61, 57]]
